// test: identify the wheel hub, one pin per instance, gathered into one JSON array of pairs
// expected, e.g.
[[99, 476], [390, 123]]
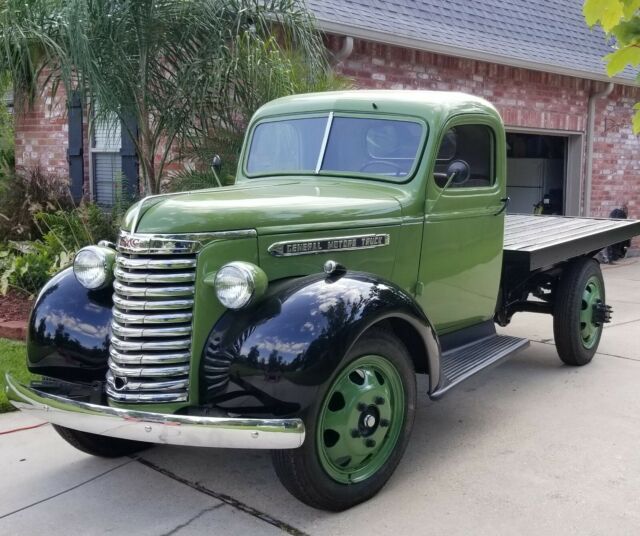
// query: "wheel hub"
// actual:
[[601, 313], [368, 422]]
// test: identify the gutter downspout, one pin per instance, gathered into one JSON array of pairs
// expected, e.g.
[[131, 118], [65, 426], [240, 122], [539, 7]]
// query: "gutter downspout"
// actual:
[[591, 120], [345, 50]]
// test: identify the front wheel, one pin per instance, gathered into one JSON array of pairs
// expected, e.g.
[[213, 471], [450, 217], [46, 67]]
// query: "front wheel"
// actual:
[[358, 429], [579, 312]]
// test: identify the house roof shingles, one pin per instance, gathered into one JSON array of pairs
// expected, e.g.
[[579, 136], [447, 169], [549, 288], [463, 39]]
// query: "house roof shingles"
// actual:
[[545, 35]]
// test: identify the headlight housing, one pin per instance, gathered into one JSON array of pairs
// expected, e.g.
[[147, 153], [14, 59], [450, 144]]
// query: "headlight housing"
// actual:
[[93, 267], [239, 283]]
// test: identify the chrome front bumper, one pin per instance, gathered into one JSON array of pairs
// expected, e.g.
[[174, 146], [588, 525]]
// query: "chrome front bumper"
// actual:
[[186, 430]]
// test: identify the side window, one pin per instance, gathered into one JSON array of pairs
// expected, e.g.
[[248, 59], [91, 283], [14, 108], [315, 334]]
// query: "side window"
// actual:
[[466, 152]]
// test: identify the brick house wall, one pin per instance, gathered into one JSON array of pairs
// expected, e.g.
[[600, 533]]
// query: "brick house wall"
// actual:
[[526, 99], [616, 155], [42, 135]]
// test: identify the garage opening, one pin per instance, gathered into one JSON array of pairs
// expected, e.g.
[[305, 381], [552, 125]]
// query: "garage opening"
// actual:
[[543, 173]]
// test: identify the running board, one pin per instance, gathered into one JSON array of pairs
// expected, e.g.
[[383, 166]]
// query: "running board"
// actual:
[[461, 363]]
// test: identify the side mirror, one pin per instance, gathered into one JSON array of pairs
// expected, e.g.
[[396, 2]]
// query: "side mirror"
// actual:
[[216, 163], [458, 172]]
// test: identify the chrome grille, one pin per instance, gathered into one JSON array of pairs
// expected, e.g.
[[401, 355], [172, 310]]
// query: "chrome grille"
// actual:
[[151, 327], [150, 350]]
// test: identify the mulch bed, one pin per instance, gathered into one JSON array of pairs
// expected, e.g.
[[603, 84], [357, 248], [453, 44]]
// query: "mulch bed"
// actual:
[[15, 306]]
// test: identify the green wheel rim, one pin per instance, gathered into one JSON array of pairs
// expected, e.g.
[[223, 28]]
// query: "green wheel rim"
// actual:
[[591, 297], [361, 419]]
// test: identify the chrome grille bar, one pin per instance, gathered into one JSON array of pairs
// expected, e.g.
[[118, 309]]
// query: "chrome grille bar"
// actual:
[[146, 305], [148, 358], [144, 346], [153, 292], [164, 318], [145, 277], [148, 372], [155, 264], [138, 332], [146, 392]]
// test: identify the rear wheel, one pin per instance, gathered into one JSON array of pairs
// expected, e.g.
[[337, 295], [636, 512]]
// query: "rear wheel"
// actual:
[[579, 312], [358, 429], [98, 445]]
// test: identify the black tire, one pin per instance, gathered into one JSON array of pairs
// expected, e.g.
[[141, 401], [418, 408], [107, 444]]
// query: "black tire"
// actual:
[[98, 445], [301, 471], [566, 313]]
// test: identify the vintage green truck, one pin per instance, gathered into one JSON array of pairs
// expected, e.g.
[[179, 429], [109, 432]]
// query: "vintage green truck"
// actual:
[[364, 241]]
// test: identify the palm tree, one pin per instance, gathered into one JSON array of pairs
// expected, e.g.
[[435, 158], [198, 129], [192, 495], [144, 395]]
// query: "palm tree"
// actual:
[[184, 69]]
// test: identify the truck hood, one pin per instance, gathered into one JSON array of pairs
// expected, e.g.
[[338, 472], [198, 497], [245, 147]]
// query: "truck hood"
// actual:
[[270, 206]]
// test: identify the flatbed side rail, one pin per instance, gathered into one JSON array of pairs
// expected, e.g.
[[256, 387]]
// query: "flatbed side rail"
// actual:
[[536, 242]]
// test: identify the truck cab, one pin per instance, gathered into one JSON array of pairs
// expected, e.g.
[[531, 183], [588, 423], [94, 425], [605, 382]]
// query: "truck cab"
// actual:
[[363, 242]]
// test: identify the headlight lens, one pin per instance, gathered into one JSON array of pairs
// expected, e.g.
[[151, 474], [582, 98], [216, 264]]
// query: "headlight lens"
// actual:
[[93, 267], [239, 283]]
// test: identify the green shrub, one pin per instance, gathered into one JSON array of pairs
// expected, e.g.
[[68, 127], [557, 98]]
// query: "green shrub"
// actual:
[[27, 265], [30, 270], [22, 195], [76, 228]]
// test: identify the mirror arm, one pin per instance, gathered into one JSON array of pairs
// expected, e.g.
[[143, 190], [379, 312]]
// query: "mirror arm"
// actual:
[[447, 184]]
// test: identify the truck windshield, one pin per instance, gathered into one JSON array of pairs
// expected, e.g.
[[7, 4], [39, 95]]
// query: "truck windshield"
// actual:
[[385, 148]]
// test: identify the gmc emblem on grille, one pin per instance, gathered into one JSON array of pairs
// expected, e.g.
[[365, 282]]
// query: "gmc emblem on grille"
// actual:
[[129, 242]]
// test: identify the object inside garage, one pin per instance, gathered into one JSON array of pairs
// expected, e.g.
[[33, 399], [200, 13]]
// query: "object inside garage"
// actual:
[[536, 173]]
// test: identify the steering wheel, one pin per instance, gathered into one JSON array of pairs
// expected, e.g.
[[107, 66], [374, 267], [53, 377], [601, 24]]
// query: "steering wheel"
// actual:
[[399, 171]]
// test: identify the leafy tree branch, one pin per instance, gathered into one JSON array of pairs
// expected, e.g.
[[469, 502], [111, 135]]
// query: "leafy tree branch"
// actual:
[[619, 19]]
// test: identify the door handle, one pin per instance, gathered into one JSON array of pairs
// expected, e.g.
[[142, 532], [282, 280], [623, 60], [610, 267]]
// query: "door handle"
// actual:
[[505, 203]]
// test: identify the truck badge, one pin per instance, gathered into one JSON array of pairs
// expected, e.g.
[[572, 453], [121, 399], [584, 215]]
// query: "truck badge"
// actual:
[[325, 245]]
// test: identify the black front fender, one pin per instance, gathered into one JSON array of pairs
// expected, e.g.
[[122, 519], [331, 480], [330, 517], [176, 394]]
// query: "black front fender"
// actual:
[[69, 330], [274, 357]]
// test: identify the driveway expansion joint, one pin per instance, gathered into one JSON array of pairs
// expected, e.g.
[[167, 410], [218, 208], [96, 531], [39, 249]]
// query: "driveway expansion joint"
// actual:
[[226, 499], [93, 478], [550, 342]]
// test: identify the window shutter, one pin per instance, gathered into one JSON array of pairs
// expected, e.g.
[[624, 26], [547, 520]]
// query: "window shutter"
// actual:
[[130, 156], [75, 150]]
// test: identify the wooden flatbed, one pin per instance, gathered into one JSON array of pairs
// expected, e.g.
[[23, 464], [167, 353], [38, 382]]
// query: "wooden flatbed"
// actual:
[[535, 242]]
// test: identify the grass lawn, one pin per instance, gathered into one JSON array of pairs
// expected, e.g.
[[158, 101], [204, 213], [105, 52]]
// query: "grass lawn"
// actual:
[[13, 360]]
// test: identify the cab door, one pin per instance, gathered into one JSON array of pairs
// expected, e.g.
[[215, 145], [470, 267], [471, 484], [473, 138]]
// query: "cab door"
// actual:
[[461, 257]]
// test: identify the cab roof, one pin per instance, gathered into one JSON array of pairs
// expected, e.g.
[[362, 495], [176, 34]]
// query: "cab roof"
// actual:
[[428, 105]]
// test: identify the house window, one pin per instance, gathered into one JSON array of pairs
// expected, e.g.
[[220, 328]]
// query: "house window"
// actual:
[[106, 160]]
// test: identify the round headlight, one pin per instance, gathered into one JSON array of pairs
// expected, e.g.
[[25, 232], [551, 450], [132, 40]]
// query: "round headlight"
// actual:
[[239, 283], [93, 266]]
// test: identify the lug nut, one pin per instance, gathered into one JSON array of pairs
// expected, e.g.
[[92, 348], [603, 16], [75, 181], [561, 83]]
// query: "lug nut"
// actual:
[[379, 400], [361, 406], [384, 423], [370, 443], [355, 433]]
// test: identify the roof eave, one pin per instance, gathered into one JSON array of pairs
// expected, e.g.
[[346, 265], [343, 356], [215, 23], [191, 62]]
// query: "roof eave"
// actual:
[[452, 50]]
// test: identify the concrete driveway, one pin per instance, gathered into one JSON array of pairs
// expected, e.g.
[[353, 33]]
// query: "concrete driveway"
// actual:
[[531, 447]]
